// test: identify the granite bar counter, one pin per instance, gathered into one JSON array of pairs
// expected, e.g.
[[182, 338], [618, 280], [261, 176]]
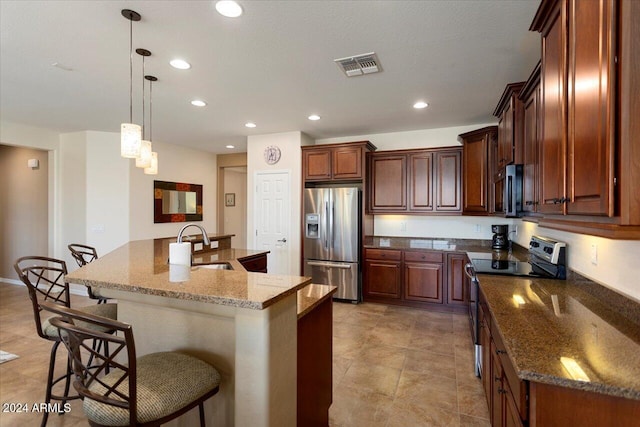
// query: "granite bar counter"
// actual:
[[544, 320], [243, 323]]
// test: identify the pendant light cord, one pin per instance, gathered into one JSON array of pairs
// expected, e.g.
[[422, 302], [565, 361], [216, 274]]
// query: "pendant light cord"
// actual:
[[130, 71], [150, 110], [143, 100]]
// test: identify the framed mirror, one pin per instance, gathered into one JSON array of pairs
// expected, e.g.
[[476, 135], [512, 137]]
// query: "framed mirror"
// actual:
[[176, 202]]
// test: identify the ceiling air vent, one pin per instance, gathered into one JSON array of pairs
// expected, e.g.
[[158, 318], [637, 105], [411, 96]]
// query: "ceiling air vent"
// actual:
[[360, 64]]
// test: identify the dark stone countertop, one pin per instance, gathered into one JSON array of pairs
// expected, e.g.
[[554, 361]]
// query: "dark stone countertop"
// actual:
[[574, 318]]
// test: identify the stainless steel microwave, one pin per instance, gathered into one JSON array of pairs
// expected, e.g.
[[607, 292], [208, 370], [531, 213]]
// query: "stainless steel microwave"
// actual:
[[512, 200]]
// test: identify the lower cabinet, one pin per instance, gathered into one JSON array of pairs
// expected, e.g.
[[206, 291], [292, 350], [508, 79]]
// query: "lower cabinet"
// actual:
[[506, 394], [415, 278], [257, 264]]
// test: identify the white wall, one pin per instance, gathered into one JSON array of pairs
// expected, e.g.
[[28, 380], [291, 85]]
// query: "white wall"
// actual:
[[290, 160], [453, 227], [617, 267], [423, 138], [107, 192], [177, 164]]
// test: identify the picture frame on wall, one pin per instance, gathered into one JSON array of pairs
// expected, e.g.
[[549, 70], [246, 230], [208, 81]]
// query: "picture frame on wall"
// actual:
[[229, 199]]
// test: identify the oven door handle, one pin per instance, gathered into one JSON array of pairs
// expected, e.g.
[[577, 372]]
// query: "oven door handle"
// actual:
[[468, 270]]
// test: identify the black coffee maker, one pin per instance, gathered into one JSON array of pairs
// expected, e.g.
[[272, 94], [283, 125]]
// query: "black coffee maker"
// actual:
[[500, 238]]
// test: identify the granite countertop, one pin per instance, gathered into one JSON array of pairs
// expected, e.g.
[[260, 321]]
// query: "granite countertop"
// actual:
[[577, 319], [141, 266], [311, 295], [448, 245]]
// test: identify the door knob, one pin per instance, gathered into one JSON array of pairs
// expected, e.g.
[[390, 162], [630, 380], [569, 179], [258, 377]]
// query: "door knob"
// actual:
[[283, 240]]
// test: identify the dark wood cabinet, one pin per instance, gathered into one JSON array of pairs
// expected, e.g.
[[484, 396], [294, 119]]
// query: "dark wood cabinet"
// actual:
[[448, 181], [383, 273], [476, 171], [257, 264], [507, 395], [388, 183], [591, 106], [553, 110], [421, 181], [416, 278], [457, 286], [423, 273], [530, 96], [509, 112], [335, 162], [415, 181]]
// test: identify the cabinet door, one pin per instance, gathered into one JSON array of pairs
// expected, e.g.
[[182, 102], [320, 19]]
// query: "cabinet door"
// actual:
[[476, 174], [382, 278], [420, 182], [552, 160], [456, 289], [531, 146], [448, 181], [510, 416], [497, 391], [347, 163], [485, 343], [388, 184], [505, 145], [591, 107], [423, 282], [317, 165]]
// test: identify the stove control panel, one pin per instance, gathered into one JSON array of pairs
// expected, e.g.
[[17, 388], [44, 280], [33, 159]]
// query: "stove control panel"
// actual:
[[550, 250]]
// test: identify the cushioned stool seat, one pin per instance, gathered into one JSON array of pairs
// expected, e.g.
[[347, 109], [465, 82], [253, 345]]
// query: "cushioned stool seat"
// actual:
[[109, 310], [166, 383]]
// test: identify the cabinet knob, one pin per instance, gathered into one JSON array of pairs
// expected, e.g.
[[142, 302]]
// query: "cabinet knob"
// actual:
[[501, 352], [497, 379], [501, 391]]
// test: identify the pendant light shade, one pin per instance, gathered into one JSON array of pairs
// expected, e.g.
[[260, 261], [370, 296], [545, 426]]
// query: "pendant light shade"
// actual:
[[130, 133], [144, 159], [153, 169], [130, 140]]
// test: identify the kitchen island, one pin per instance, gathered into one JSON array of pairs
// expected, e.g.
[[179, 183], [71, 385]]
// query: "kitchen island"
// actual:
[[243, 323]]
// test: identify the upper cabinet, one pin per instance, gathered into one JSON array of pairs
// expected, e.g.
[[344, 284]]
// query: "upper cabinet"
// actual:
[[509, 112], [530, 96], [589, 157], [335, 162], [476, 171], [415, 181]]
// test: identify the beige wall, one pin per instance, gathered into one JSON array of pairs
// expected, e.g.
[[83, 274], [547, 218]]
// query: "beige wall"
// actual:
[[235, 217], [24, 226]]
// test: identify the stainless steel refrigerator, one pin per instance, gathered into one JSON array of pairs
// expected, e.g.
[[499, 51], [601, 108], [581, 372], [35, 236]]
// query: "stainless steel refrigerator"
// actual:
[[332, 239]]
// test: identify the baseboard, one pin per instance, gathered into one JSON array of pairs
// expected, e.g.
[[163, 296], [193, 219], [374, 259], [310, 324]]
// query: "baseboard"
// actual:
[[74, 289]]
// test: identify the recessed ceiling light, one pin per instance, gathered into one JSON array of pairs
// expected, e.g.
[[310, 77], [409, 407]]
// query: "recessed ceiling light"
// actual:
[[250, 125], [198, 103], [180, 64], [420, 104], [231, 146], [228, 8], [314, 117]]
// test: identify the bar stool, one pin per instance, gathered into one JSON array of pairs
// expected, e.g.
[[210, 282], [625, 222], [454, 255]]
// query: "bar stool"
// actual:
[[146, 391], [44, 278], [83, 255]]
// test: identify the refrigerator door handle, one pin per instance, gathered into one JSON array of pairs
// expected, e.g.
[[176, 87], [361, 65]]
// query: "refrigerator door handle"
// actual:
[[333, 224], [329, 264], [326, 225]]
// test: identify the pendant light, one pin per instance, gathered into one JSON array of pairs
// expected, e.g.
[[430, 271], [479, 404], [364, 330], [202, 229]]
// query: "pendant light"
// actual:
[[144, 158], [130, 133], [153, 168]]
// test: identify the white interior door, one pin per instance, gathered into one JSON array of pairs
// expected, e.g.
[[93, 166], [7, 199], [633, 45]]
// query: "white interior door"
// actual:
[[272, 217]]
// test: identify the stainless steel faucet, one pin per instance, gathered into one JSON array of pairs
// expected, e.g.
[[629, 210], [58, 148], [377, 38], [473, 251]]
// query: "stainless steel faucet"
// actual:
[[205, 238]]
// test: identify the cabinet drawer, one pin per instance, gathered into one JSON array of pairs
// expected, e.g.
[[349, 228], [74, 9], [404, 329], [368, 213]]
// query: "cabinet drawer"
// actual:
[[424, 256], [383, 254]]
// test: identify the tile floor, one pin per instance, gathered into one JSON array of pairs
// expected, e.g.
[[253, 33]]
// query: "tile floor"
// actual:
[[393, 366]]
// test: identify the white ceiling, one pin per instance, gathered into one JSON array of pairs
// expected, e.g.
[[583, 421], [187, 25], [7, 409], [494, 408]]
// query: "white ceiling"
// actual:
[[273, 65]]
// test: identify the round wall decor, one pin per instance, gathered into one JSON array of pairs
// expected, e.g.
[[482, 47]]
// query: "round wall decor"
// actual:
[[272, 154]]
